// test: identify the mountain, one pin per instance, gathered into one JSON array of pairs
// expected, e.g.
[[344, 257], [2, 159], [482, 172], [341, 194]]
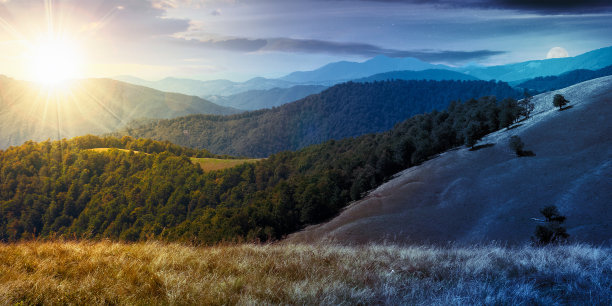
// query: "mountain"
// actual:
[[593, 60], [207, 88], [31, 112], [258, 99], [345, 110], [469, 196], [550, 83], [344, 71], [429, 74]]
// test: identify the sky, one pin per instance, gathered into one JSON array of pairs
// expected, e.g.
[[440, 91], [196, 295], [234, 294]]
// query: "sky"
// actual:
[[241, 39]]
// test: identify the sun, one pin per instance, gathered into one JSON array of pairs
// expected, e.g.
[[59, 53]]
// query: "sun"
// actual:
[[53, 62]]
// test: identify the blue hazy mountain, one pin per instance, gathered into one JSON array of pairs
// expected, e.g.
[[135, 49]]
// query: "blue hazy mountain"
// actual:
[[429, 74], [266, 98], [206, 88], [344, 71], [593, 60], [338, 72]]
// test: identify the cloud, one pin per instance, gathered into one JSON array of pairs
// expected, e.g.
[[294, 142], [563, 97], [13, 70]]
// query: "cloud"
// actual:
[[312, 46], [234, 44], [368, 50], [122, 19], [535, 6], [216, 12]]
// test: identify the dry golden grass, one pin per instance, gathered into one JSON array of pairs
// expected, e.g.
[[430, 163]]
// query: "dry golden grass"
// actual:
[[212, 164], [102, 150], [159, 273]]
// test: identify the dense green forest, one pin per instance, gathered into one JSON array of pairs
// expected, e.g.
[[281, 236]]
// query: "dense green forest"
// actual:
[[345, 110], [61, 188], [550, 83]]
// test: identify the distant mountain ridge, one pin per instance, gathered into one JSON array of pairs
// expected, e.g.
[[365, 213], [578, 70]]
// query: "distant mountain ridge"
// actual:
[[429, 74], [29, 112], [207, 88], [338, 72], [345, 71]]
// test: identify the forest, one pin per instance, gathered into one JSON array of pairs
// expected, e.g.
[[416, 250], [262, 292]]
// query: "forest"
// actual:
[[550, 83], [345, 110], [64, 189]]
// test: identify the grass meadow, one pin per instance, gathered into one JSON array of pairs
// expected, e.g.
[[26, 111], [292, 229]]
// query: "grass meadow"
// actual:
[[211, 164], [154, 273]]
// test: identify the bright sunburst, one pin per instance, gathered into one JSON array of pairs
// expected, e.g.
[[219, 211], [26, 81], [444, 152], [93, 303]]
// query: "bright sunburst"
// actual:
[[54, 61]]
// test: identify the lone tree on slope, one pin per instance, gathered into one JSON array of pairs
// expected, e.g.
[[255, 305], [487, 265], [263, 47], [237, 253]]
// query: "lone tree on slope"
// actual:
[[560, 101], [551, 231], [527, 106]]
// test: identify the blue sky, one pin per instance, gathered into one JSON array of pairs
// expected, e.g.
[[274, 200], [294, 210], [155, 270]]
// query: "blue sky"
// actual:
[[239, 39]]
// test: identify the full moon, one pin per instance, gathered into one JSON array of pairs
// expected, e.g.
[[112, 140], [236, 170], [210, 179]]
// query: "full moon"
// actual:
[[557, 52]]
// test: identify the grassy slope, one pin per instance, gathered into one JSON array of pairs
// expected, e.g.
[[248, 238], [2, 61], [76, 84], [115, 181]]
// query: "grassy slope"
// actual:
[[207, 164], [211, 164], [102, 150], [155, 273]]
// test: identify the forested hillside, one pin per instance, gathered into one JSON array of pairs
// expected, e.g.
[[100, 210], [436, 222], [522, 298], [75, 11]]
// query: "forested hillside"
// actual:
[[567, 79], [345, 110], [63, 188]]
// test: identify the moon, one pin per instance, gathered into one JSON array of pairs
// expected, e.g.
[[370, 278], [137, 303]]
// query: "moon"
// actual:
[[557, 52]]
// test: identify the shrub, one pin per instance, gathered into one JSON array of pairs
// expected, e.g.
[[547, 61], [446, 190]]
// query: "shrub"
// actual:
[[551, 232], [517, 145], [559, 101]]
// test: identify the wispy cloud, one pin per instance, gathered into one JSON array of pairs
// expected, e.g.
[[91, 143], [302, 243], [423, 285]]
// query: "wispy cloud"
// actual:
[[337, 48]]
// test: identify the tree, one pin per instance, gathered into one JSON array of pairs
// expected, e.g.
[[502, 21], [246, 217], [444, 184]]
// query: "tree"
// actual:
[[560, 101], [527, 106], [472, 134], [509, 112], [551, 231], [517, 145]]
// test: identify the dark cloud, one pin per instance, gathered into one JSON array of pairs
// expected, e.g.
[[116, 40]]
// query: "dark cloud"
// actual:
[[337, 48], [556, 5], [536, 6], [234, 44]]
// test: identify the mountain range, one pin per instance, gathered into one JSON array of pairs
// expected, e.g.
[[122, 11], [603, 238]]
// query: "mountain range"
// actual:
[[32, 112], [344, 110], [377, 68]]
